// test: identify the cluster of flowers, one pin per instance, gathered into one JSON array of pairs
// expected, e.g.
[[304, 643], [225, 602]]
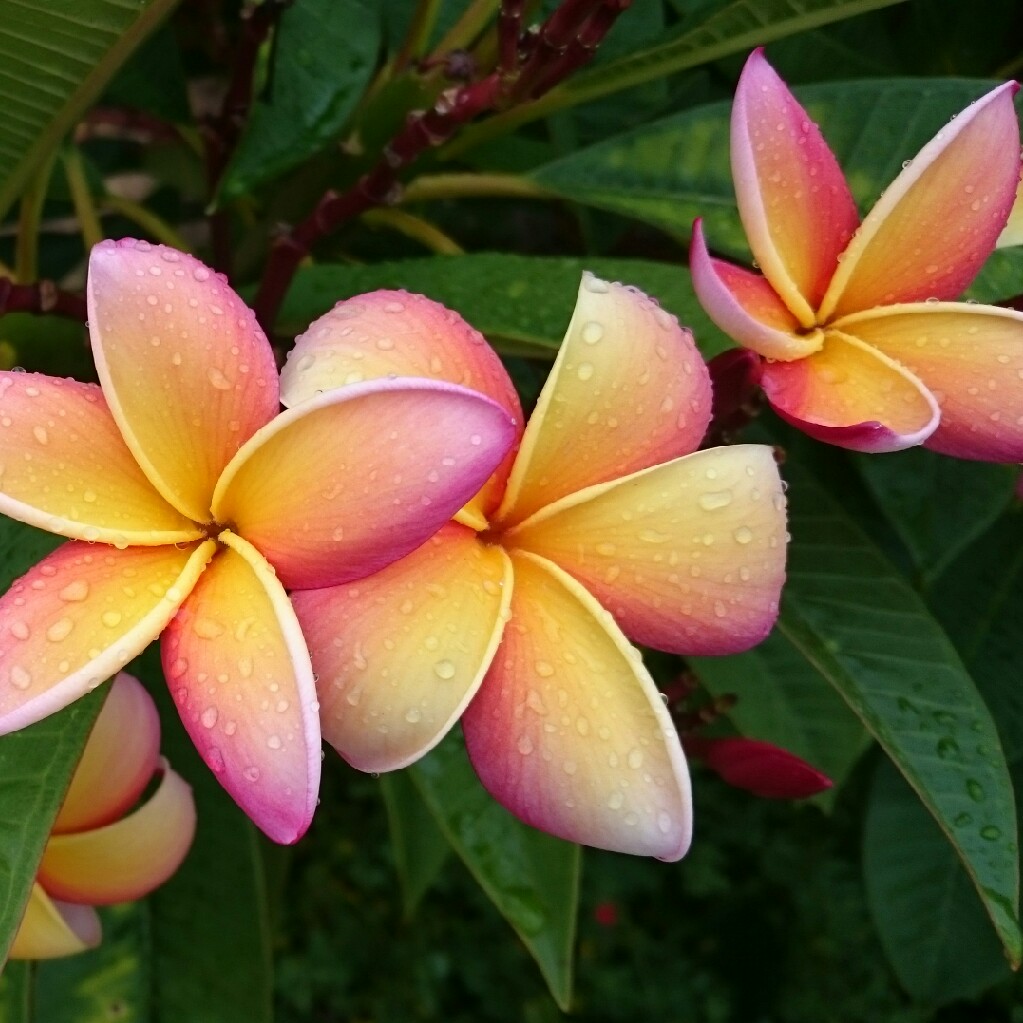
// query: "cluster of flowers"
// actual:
[[397, 551]]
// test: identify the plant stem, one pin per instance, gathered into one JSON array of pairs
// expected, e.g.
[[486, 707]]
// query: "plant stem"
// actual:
[[428, 235], [417, 38], [466, 30], [431, 187], [81, 197], [42, 297], [30, 213], [156, 227]]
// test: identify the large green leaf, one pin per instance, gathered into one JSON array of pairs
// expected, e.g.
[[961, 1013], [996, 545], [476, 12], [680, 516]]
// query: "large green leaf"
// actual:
[[16, 992], [326, 51], [531, 878], [867, 631], [933, 928], [521, 303], [57, 55]]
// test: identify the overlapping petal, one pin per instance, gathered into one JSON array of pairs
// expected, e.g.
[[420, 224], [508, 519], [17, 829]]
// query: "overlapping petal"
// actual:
[[127, 859], [119, 759], [793, 199], [932, 230], [354, 478], [399, 655], [51, 929], [238, 669], [688, 556], [746, 307], [971, 359], [852, 395], [80, 615], [187, 372], [568, 730], [64, 467], [627, 390]]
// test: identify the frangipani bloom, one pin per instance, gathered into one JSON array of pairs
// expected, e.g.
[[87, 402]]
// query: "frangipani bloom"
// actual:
[[192, 505], [96, 855], [862, 346], [604, 525]]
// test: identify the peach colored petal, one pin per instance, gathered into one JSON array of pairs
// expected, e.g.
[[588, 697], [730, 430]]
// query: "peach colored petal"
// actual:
[[127, 859], [852, 395], [793, 199], [746, 307], [568, 730], [65, 468], [187, 372], [355, 478], [80, 615], [932, 230], [688, 556], [627, 390], [971, 358], [238, 668], [398, 656], [52, 929], [119, 759], [394, 333]]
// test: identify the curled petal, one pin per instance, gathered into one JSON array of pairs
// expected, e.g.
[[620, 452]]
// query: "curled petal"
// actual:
[[568, 730], [187, 372], [971, 358], [793, 199], [127, 859], [64, 467], [627, 390], [119, 759], [80, 615], [688, 556], [399, 655], [746, 307], [357, 477], [852, 395], [52, 929], [394, 333], [931, 231], [238, 668]]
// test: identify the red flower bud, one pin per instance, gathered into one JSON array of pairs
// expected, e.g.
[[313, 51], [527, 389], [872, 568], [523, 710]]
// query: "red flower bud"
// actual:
[[759, 767]]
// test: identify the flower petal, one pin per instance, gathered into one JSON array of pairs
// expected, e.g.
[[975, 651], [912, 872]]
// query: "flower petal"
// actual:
[[793, 198], [119, 759], [931, 231], [80, 615], [187, 372], [355, 478], [746, 307], [852, 395], [127, 859], [64, 467], [688, 556], [51, 929], [239, 671], [627, 390], [568, 730], [971, 358], [400, 654], [394, 333]]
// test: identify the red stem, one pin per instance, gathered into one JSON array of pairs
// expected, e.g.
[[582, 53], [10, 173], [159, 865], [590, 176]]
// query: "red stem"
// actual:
[[42, 297]]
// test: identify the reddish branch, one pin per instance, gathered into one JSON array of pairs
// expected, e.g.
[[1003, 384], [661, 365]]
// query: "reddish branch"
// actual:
[[528, 66], [40, 297]]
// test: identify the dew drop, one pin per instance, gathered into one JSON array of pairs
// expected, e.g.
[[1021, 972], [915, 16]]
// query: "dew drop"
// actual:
[[206, 628], [19, 630], [525, 745], [413, 715], [274, 742], [743, 535], [592, 332], [20, 677], [209, 717], [75, 592], [444, 669], [111, 619], [218, 380], [715, 499], [585, 371]]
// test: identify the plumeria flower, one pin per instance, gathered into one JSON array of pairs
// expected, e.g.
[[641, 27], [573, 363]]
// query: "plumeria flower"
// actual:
[[96, 855], [605, 525], [861, 344], [193, 506]]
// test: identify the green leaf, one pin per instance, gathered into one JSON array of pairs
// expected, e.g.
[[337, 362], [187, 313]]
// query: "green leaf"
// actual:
[[420, 848], [16, 992], [866, 630], [326, 52], [532, 878], [937, 505], [1000, 278], [57, 56], [933, 929], [521, 303], [783, 699]]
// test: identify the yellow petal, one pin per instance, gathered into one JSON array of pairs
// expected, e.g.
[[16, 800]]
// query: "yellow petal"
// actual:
[[51, 929]]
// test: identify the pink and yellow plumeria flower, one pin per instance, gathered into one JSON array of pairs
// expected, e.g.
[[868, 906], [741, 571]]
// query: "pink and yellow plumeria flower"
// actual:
[[192, 505], [604, 525], [862, 346], [96, 856]]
